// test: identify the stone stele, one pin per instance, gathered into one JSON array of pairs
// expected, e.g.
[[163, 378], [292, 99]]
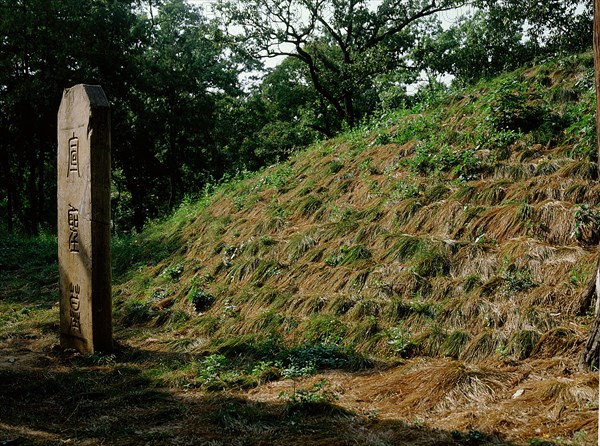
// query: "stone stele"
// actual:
[[84, 220]]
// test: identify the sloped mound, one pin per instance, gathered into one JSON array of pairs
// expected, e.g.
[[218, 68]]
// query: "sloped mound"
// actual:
[[449, 231], [446, 232]]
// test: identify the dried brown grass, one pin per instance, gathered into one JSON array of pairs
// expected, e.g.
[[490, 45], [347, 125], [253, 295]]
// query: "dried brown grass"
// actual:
[[498, 224], [440, 219], [439, 387], [555, 221]]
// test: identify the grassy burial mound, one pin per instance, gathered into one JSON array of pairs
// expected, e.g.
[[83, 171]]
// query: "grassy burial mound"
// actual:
[[466, 229], [418, 277]]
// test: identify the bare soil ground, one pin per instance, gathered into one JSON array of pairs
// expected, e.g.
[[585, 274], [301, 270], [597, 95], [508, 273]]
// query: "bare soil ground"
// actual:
[[52, 397]]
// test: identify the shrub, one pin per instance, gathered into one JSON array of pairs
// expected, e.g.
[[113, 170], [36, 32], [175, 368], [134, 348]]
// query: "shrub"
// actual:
[[173, 272], [431, 156], [200, 299], [316, 399], [511, 108], [316, 356], [402, 342]]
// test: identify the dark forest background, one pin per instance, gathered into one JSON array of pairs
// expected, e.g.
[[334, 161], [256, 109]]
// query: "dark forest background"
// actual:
[[192, 101]]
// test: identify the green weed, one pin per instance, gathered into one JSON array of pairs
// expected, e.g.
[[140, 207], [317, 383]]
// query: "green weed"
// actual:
[[517, 279], [316, 399], [200, 299], [324, 329], [587, 223], [348, 255], [402, 342], [174, 272]]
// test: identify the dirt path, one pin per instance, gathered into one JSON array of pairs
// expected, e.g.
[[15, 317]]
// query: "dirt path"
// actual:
[[49, 396]]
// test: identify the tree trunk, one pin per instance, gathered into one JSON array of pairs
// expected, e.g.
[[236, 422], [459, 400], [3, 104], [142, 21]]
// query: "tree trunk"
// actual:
[[349, 109], [41, 198], [591, 356]]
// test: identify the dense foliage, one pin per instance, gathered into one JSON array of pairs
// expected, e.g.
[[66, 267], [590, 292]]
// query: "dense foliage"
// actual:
[[182, 113]]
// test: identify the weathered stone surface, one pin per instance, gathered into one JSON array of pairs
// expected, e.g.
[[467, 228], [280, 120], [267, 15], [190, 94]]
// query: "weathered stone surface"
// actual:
[[84, 220]]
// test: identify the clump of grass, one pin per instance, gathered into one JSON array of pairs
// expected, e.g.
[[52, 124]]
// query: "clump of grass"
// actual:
[[136, 311], [435, 193], [558, 341], [366, 307], [471, 282], [483, 346], [334, 167], [407, 209], [268, 321], [493, 194], [264, 270], [429, 257], [342, 304], [324, 329], [432, 262], [454, 344], [521, 343], [299, 244], [349, 255], [347, 223], [398, 309], [309, 205], [431, 340], [405, 247]]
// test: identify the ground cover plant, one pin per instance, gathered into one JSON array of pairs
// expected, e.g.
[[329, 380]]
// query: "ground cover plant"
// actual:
[[417, 280]]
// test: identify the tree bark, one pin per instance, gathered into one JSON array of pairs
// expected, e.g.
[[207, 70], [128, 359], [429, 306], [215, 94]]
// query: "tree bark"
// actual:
[[591, 357]]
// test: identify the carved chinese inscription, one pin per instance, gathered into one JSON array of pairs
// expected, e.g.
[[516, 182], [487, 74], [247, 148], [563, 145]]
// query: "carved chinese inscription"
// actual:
[[73, 229], [84, 220], [73, 155], [75, 303]]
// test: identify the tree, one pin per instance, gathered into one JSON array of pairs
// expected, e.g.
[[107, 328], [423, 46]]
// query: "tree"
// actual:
[[551, 26], [342, 43], [480, 46], [48, 45], [183, 74], [506, 34], [165, 75]]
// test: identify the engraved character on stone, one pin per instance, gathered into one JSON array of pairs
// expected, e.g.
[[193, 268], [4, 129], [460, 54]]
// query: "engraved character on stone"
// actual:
[[75, 321], [73, 229], [74, 298], [73, 156], [74, 311]]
